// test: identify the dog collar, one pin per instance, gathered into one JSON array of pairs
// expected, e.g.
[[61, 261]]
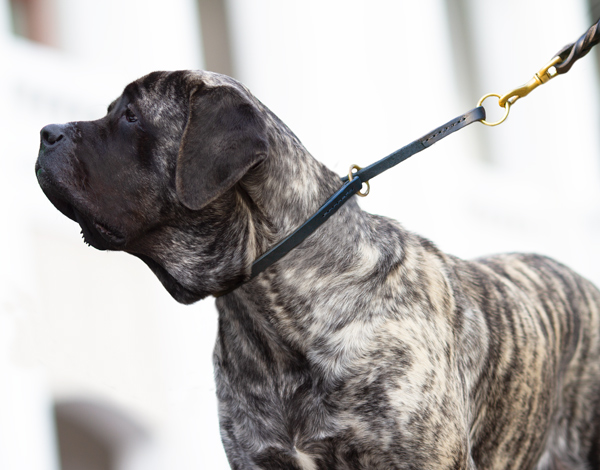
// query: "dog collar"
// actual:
[[352, 185]]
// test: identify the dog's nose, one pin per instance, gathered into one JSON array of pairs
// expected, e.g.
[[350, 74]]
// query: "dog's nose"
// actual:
[[52, 134]]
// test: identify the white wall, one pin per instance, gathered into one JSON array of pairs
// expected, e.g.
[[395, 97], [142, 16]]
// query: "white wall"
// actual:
[[26, 432]]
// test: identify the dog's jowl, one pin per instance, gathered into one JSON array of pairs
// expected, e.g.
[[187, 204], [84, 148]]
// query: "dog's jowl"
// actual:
[[365, 347]]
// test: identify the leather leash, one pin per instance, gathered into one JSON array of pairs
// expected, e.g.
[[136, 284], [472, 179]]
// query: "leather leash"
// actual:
[[354, 185], [560, 64]]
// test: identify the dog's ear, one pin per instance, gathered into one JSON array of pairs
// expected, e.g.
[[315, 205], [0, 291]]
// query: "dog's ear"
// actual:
[[224, 137]]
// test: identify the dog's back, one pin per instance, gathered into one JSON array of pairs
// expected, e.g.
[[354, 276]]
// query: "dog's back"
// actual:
[[542, 324]]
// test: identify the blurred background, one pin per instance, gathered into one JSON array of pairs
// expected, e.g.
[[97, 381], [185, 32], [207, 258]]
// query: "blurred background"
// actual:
[[99, 368]]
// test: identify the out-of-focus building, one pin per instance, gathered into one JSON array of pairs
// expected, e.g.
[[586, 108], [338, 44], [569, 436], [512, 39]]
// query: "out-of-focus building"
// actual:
[[99, 368]]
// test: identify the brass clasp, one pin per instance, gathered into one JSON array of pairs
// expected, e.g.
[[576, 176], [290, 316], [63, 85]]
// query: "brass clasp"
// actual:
[[544, 75]]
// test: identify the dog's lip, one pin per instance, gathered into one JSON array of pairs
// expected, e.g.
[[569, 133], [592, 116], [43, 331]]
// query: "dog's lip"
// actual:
[[53, 193], [97, 234], [109, 234]]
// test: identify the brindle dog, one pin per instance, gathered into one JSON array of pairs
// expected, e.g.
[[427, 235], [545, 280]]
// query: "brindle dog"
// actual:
[[366, 347]]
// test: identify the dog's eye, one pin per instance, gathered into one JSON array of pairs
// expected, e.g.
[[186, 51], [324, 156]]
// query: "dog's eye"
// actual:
[[130, 115]]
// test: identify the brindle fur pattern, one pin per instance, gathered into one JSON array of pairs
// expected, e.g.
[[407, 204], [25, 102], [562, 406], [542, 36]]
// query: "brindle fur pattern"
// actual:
[[366, 347]]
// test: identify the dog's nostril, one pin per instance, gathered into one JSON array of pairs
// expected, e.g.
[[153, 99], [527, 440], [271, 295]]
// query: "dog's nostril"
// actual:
[[52, 134]]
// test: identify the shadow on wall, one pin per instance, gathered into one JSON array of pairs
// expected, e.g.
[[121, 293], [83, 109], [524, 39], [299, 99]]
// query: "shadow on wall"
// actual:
[[93, 436]]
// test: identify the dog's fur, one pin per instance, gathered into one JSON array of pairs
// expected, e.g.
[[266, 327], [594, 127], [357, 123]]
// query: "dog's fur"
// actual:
[[366, 347]]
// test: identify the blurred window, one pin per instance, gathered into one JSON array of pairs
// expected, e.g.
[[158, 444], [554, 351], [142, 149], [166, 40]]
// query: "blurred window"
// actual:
[[214, 26], [98, 436], [35, 20], [595, 16], [80, 448], [594, 10]]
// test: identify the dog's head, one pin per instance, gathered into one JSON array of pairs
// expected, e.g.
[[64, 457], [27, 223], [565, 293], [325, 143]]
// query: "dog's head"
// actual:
[[157, 177]]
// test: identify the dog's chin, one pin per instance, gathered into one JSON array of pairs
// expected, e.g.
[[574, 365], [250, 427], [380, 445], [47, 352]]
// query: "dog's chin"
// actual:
[[95, 233]]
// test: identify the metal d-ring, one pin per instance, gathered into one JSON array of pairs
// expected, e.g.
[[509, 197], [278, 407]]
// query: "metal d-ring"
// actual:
[[351, 177], [506, 106]]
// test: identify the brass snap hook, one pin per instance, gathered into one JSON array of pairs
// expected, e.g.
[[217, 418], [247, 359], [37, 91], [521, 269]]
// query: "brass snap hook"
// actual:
[[546, 73], [543, 75]]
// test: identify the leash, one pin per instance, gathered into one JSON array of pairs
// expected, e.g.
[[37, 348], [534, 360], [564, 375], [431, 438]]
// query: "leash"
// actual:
[[560, 64], [353, 184]]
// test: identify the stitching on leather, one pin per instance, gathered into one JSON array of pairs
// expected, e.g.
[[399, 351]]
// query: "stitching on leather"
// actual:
[[350, 192], [445, 129]]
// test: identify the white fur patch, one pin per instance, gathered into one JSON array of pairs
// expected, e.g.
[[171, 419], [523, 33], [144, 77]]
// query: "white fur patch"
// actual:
[[305, 461]]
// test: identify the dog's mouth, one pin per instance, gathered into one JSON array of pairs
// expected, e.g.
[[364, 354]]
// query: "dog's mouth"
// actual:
[[95, 233]]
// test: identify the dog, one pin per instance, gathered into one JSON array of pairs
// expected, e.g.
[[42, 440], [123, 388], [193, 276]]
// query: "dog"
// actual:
[[366, 347]]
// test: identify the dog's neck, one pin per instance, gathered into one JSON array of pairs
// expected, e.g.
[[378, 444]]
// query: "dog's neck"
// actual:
[[287, 303], [290, 185], [287, 189]]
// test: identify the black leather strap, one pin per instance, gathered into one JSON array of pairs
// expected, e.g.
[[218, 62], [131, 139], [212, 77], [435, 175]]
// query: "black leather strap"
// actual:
[[352, 187], [476, 114], [349, 189]]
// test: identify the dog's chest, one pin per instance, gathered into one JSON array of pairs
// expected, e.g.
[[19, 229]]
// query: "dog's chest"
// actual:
[[274, 403]]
